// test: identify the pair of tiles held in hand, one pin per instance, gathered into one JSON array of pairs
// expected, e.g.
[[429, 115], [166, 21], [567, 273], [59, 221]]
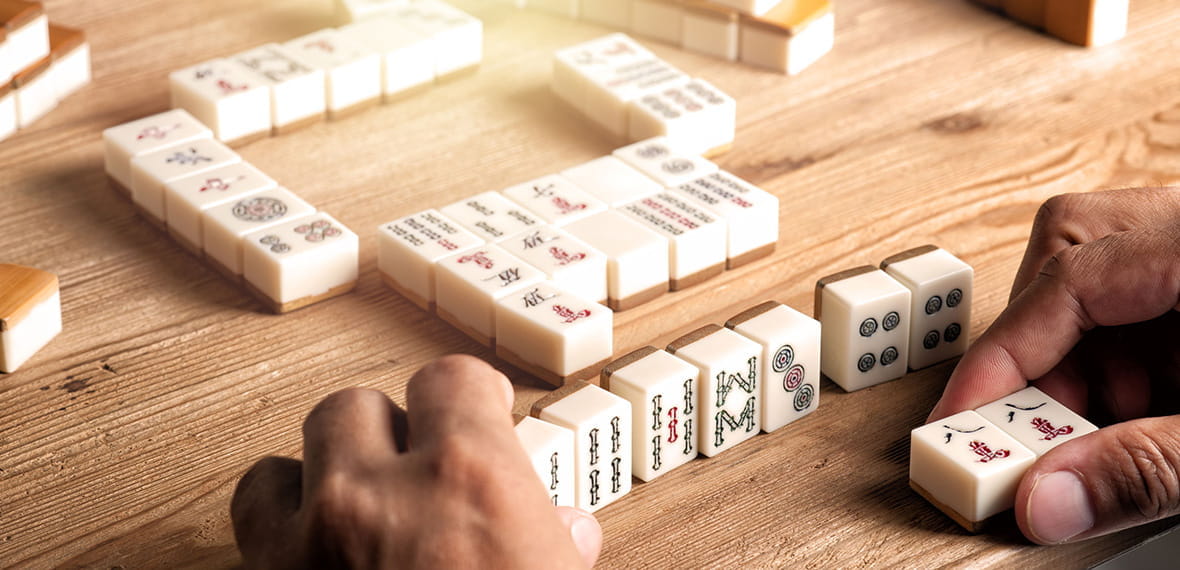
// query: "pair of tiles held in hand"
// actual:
[[657, 410], [969, 465], [276, 88], [228, 212]]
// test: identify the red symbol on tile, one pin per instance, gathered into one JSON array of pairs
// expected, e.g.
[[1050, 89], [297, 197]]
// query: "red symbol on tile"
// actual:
[[1047, 428], [155, 132], [317, 231], [564, 257], [981, 449], [448, 244], [569, 315], [227, 87], [479, 258], [324, 45], [219, 184], [565, 206], [672, 423]]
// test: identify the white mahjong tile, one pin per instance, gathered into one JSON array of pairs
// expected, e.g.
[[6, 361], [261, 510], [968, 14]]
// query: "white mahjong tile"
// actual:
[[353, 72], [186, 199], [664, 392], [145, 135], [941, 288], [1037, 421], [491, 216], [226, 224], [968, 465], [550, 449], [151, 171], [730, 367], [553, 333], [297, 90], [71, 60], [866, 327], [710, 29], [696, 237], [601, 423], [637, 258], [568, 8], [30, 313], [36, 93], [26, 30], [790, 37], [360, 10], [226, 96], [456, 36], [790, 344], [301, 258], [753, 7], [750, 213], [555, 199], [657, 19], [569, 262], [407, 56], [1090, 23], [468, 284], [663, 161], [409, 248], [610, 13], [8, 124], [697, 116], [612, 181]]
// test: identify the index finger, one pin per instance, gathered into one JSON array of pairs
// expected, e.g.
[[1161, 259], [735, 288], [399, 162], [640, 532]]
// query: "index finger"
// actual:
[[1123, 278], [458, 395]]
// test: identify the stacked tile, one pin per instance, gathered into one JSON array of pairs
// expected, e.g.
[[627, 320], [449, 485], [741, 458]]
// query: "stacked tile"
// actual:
[[40, 64]]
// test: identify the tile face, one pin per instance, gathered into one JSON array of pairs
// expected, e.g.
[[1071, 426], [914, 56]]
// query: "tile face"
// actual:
[[550, 449], [751, 214], [941, 287], [790, 37], [663, 392], [665, 163], [491, 216], [730, 366], [552, 333], [710, 29], [145, 135], [226, 224], [569, 262], [409, 248], [612, 181], [1037, 421], [697, 116], [866, 326], [309, 257], [601, 423], [468, 284], [227, 97], [407, 56], [456, 36], [555, 199], [151, 171], [186, 199], [297, 91], [696, 238], [30, 313], [637, 258], [657, 19], [790, 355], [353, 72], [966, 464]]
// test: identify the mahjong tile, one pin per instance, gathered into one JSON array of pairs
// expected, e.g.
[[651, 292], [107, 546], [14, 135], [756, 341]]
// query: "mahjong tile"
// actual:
[[301, 261], [226, 96], [554, 199], [637, 257], [297, 90], [226, 224], [491, 216], [186, 199], [696, 237], [353, 71], [664, 162], [612, 181], [150, 172], [751, 214], [409, 248], [126, 141], [553, 334], [569, 262], [468, 284]]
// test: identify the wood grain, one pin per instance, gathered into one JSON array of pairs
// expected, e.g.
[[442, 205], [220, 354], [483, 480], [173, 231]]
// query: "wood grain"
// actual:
[[932, 122]]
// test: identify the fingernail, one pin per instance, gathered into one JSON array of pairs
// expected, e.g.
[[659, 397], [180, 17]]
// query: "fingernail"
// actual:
[[584, 529], [1059, 507]]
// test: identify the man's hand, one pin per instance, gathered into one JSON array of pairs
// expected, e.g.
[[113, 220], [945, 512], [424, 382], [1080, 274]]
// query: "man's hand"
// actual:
[[443, 485], [1092, 322]]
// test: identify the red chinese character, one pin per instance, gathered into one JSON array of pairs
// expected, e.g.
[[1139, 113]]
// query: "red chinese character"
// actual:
[[479, 258], [565, 206], [448, 244], [981, 449], [227, 87], [569, 315], [564, 257], [1047, 428]]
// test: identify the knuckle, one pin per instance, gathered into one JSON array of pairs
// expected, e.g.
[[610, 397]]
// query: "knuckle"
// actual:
[[1060, 209], [348, 398], [453, 371], [342, 503], [1146, 474], [460, 463]]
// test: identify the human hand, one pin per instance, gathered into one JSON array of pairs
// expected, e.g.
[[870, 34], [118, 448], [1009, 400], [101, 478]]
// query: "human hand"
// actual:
[[444, 484], [1093, 322]]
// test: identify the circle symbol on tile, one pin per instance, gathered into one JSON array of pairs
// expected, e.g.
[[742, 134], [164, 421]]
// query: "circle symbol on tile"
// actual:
[[868, 327], [259, 209], [931, 340], [888, 356], [804, 397], [952, 332], [933, 305], [866, 362], [954, 298], [891, 321], [793, 378], [783, 358]]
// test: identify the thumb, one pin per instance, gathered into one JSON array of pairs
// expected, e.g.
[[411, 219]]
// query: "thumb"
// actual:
[[584, 529], [1117, 477]]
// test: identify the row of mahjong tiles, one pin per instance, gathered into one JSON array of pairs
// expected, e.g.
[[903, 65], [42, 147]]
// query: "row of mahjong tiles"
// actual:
[[41, 63], [276, 88], [786, 36], [527, 268], [228, 212]]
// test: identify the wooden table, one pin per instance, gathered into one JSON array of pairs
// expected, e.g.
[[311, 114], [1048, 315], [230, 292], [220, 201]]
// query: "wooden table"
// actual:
[[933, 121]]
